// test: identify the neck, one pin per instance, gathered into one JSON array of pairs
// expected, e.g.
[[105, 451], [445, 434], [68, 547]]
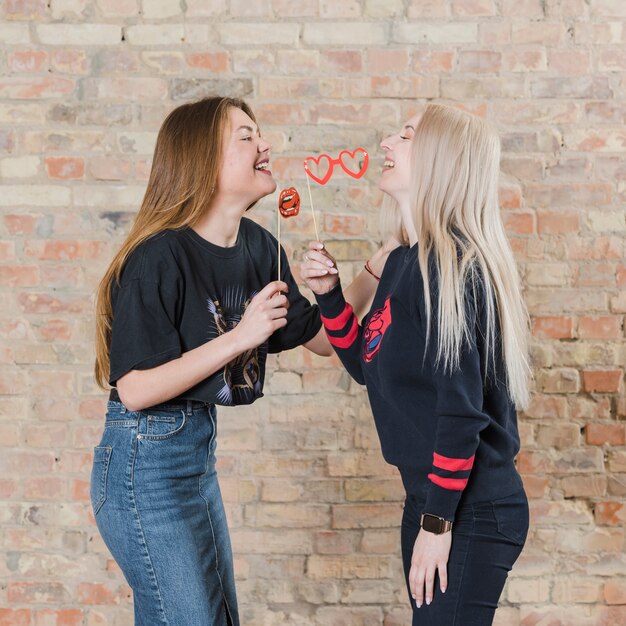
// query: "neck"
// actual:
[[220, 223], [407, 221]]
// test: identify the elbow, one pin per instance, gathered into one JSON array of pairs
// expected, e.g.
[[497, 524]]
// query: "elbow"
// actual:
[[130, 392], [326, 350]]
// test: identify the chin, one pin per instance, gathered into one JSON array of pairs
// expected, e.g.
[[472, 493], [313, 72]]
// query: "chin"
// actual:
[[384, 187]]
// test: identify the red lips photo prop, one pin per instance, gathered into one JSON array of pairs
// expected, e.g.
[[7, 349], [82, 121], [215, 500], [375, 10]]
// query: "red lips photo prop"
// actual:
[[289, 202]]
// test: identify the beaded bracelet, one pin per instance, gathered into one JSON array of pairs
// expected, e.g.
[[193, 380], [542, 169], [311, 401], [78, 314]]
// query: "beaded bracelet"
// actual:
[[369, 269]]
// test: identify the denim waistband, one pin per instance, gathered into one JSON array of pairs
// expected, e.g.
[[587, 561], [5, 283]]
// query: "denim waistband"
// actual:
[[172, 405]]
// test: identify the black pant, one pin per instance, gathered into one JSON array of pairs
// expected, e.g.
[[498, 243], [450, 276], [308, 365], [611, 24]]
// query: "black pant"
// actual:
[[487, 538]]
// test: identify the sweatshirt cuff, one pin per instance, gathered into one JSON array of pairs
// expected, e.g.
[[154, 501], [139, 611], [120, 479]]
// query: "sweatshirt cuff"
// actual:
[[332, 303], [442, 502]]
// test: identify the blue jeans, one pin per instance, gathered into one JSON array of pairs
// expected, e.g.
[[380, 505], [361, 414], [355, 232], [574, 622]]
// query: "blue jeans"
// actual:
[[487, 538], [159, 509]]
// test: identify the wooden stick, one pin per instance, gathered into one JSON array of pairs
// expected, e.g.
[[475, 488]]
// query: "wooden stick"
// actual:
[[279, 218], [308, 184]]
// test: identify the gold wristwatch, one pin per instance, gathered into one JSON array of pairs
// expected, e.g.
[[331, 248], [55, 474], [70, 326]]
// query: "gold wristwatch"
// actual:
[[434, 524]]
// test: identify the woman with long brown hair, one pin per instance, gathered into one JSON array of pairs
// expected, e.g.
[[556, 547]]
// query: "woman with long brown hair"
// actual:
[[444, 355], [186, 314]]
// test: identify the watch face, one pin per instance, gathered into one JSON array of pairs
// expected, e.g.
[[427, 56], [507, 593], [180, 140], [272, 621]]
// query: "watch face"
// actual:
[[432, 524]]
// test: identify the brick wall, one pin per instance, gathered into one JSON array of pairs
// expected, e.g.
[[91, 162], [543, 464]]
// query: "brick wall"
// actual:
[[314, 511]]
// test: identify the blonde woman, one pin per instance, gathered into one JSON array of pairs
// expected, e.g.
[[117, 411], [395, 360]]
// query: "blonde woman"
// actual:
[[443, 353]]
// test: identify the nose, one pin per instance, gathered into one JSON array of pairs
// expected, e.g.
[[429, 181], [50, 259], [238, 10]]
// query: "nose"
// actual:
[[386, 143], [264, 146]]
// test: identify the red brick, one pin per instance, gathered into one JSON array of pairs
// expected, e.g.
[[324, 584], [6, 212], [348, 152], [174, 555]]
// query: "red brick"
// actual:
[[433, 61], [615, 592], [570, 61], [216, 62], [15, 617], [19, 275], [24, 9], [59, 617], [610, 512], [65, 168], [27, 61], [519, 222], [536, 486], [600, 327], [557, 222], [347, 225], [96, 593], [553, 327], [342, 60], [71, 62], [598, 434], [510, 197], [54, 330], [388, 61], [473, 8], [602, 381], [24, 224], [55, 250]]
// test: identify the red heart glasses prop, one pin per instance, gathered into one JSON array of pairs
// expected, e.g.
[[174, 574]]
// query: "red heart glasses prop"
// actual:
[[324, 161]]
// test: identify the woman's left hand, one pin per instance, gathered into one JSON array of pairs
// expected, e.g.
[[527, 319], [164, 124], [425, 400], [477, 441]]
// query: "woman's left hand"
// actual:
[[319, 269], [430, 555]]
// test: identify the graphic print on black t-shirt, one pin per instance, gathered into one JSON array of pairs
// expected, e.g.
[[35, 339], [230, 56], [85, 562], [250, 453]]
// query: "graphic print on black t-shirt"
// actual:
[[242, 376], [375, 330]]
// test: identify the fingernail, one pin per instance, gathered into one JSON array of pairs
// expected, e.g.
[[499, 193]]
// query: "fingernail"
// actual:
[[329, 263], [443, 589], [428, 601], [419, 605]]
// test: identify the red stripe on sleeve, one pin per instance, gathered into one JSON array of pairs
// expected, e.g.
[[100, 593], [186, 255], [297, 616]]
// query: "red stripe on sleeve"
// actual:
[[337, 323], [452, 465], [454, 484], [348, 340]]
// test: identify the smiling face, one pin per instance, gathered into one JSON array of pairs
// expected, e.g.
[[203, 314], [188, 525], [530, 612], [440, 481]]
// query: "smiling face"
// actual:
[[244, 174], [396, 176]]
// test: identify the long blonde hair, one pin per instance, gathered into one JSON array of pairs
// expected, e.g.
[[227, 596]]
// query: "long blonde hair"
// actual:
[[454, 192], [182, 181]]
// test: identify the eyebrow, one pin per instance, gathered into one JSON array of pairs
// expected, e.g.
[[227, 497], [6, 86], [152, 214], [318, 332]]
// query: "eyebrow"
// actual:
[[248, 128], [409, 126]]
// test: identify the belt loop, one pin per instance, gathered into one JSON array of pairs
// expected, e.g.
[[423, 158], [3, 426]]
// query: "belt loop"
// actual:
[[189, 407], [123, 409]]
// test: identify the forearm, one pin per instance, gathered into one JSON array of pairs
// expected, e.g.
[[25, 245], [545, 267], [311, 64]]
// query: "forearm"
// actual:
[[360, 292], [139, 389], [319, 344]]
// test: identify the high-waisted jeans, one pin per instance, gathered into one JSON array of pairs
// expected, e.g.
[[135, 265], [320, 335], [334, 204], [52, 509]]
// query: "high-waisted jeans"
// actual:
[[159, 509], [487, 538]]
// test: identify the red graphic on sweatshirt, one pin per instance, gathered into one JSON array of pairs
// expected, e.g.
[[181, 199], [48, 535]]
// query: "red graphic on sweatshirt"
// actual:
[[377, 326]]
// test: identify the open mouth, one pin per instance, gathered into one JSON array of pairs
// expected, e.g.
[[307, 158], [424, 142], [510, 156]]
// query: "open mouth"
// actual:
[[387, 165], [263, 166]]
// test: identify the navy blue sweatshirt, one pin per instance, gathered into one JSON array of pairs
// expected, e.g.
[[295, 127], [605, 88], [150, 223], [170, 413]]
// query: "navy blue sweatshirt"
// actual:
[[451, 435]]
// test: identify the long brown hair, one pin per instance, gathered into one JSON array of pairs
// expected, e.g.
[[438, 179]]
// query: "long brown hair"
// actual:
[[182, 181]]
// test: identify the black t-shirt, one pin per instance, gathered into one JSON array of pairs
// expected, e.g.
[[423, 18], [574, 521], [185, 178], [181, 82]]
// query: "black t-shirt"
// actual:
[[177, 291]]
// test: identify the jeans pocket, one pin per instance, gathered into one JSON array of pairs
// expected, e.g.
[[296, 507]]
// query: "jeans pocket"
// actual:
[[99, 473], [157, 425], [512, 517]]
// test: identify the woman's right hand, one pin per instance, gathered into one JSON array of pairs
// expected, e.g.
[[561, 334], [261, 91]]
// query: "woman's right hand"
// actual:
[[319, 269], [266, 313]]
